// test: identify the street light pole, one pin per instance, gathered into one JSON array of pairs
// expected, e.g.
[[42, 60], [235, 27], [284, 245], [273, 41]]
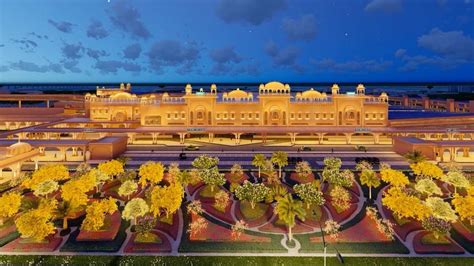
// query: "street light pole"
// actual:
[[324, 241]]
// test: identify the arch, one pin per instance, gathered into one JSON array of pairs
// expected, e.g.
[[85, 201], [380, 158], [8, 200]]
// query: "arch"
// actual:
[[120, 117]]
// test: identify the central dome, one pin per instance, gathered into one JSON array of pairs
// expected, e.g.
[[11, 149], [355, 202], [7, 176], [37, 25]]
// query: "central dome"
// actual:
[[274, 85], [237, 93]]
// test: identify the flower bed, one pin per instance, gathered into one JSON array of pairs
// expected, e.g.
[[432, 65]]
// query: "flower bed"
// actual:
[[446, 247], [112, 225], [260, 215], [231, 179], [278, 226], [170, 226], [225, 216], [192, 188], [313, 220], [295, 177], [340, 216], [50, 244], [403, 229], [162, 246]]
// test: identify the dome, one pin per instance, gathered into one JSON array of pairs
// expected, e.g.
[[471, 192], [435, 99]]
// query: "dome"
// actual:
[[19, 148], [274, 85], [311, 93], [237, 93], [121, 96]]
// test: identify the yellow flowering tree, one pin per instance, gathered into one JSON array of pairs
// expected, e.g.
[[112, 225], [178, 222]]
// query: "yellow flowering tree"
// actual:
[[127, 188], [441, 209], [45, 188], [111, 168], [9, 205], [428, 187], [36, 224], [464, 206], [53, 172], [95, 214], [166, 199], [427, 170], [151, 172], [403, 205], [394, 177], [135, 208], [73, 194]]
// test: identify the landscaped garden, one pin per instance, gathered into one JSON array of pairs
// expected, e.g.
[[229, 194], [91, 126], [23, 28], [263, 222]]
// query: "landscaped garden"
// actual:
[[274, 208]]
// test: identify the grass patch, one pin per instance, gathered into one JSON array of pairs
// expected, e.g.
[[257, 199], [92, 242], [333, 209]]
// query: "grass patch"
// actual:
[[430, 239], [147, 237], [313, 213], [208, 193], [255, 213]]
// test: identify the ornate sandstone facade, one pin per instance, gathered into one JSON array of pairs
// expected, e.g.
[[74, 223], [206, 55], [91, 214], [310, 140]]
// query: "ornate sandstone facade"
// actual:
[[274, 105]]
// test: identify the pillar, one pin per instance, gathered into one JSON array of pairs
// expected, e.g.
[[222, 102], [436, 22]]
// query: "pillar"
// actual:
[[211, 137], [19, 104], [405, 101], [1, 172], [74, 151], [465, 152], [36, 164], [154, 137], [237, 138], [426, 102], [264, 138], [131, 138], [47, 104], [376, 138], [450, 105], [182, 137], [348, 138], [452, 156]]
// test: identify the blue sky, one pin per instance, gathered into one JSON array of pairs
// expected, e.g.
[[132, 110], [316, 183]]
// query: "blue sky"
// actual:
[[236, 40]]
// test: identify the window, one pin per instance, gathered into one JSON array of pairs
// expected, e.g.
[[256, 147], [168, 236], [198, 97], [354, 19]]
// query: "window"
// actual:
[[366, 116], [374, 116], [175, 115], [317, 116], [292, 116], [225, 115], [324, 116], [332, 116], [168, 115], [307, 116], [242, 115], [257, 115], [250, 115], [381, 116], [232, 115], [299, 115], [183, 115]]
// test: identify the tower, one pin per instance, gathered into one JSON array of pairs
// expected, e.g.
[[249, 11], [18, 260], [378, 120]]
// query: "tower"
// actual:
[[335, 89], [188, 89], [360, 89]]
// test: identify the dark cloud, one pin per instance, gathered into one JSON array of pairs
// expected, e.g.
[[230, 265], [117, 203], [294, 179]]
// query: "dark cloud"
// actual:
[[384, 6], [71, 65], [38, 36], [303, 28], [113, 66], [171, 53], [126, 18], [248, 11], [4, 68], [96, 30], [250, 69], [414, 62], [351, 66], [2, 45], [132, 51], [221, 69], [225, 55], [96, 54], [63, 26], [26, 45], [285, 57], [449, 44], [72, 51], [33, 67]]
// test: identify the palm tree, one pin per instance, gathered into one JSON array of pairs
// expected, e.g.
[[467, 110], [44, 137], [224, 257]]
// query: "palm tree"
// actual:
[[370, 179], [288, 209], [280, 158], [415, 157], [259, 161]]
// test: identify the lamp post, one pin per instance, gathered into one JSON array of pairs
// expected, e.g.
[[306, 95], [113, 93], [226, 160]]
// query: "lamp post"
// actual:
[[338, 255]]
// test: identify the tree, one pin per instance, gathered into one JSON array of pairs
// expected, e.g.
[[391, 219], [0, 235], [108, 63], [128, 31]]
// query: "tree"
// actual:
[[221, 200], [173, 172], [428, 187], [363, 165], [9, 205], [252, 193], [310, 194], [127, 188], [166, 199], [95, 214], [96, 176], [236, 171], [280, 158], [111, 168], [259, 161], [287, 210], [50, 172], [212, 177], [415, 157], [332, 174], [403, 205], [37, 224], [464, 206], [369, 178], [134, 209], [340, 198], [456, 179], [195, 207], [438, 227], [303, 169], [73, 194], [394, 177], [238, 228], [205, 162], [271, 175], [276, 191], [441, 209], [427, 170], [331, 228], [150, 172], [45, 188], [197, 226]]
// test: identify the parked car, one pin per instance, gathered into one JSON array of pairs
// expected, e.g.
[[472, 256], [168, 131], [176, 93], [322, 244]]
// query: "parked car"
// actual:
[[304, 148], [182, 156], [192, 148]]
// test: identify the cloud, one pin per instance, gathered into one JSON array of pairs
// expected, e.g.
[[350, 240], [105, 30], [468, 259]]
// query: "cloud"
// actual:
[[63, 26], [33, 67], [171, 53], [26, 45], [351, 66], [414, 62], [285, 57], [73, 51], [221, 69], [2, 45], [71, 65], [4, 68], [126, 18], [96, 54], [225, 55], [113, 66], [248, 11], [250, 69], [96, 30], [449, 44], [38, 36], [303, 28], [387, 6], [132, 51]]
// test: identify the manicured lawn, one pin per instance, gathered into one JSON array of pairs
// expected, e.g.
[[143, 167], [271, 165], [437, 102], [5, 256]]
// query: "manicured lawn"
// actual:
[[255, 213], [228, 261]]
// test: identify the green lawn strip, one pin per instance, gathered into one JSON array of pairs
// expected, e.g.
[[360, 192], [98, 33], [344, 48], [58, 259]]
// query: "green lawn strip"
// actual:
[[228, 261], [462, 241], [231, 246], [8, 238], [96, 246]]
